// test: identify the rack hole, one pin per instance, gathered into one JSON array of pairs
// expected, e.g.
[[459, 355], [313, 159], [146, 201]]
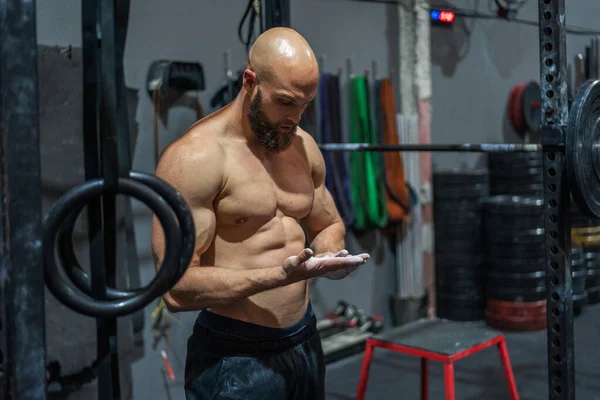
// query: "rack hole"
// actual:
[[557, 389], [552, 203], [557, 373], [554, 249], [548, 31], [552, 218], [549, 78], [553, 234], [557, 358], [554, 280], [552, 172], [552, 187], [556, 311], [555, 296], [556, 328], [556, 342], [548, 46], [547, 15], [550, 94], [551, 156]]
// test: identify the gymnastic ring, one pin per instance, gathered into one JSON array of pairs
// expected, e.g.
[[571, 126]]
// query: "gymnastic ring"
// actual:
[[166, 277], [78, 275]]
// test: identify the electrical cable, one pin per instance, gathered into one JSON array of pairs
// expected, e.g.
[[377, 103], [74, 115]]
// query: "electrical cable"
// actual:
[[252, 14]]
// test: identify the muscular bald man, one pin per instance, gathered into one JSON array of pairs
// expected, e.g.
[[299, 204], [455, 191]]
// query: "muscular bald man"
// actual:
[[255, 184]]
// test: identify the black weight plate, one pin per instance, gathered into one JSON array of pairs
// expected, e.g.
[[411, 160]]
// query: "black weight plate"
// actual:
[[517, 188], [529, 193], [582, 161], [532, 112], [457, 206], [458, 246], [516, 264], [458, 222], [511, 158], [460, 176], [475, 273], [592, 278], [513, 205], [515, 235], [517, 180], [583, 221], [510, 173], [460, 259], [580, 299], [461, 300], [508, 222], [460, 287], [472, 235], [579, 280], [447, 227], [460, 314], [512, 294], [593, 294], [516, 280], [517, 250], [472, 191]]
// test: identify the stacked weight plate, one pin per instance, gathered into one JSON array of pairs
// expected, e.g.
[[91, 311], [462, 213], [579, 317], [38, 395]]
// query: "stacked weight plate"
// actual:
[[591, 260], [585, 232], [515, 259], [516, 173], [458, 243], [578, 274]]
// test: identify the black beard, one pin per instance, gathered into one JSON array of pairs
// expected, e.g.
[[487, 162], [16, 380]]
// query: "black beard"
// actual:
[[273, 140]]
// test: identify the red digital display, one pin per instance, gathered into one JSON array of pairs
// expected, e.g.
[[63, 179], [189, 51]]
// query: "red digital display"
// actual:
[[443, 16]]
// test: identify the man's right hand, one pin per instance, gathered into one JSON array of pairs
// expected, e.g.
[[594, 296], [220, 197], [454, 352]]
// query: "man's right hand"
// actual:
[[306, 266]]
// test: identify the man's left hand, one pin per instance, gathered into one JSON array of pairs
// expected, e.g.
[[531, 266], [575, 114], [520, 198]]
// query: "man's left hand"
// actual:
[[339, 274]]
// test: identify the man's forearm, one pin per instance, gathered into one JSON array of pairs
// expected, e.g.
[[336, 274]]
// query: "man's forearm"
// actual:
[[330, 239], [206, 287]]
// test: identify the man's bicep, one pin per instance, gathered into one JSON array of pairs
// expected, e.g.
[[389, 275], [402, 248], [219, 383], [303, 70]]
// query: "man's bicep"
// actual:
[[205, 226], [179, 166]]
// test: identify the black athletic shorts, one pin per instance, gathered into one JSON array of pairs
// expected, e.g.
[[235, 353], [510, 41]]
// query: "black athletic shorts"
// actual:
[[232, 359]]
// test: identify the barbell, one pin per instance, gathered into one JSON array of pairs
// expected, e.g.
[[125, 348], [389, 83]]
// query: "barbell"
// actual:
[[582, 148]]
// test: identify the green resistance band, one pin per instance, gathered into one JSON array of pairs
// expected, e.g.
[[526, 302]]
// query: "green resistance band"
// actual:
[[365, 167]]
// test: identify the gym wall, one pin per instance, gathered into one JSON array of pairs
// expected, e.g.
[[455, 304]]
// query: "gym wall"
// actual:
[[472, 74]]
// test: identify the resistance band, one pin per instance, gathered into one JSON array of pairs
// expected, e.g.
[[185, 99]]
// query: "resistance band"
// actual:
[[337, 171], [398, 200], [367, 189]]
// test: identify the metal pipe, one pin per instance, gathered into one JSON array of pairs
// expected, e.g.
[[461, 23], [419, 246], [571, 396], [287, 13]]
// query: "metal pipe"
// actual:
[[22, 334], [553, 71]]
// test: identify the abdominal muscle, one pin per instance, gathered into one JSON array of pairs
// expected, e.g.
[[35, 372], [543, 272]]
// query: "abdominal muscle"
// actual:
[[266, 247]]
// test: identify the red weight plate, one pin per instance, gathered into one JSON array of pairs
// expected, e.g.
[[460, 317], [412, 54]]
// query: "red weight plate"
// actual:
[[517, 309], [531, 323], [511, 107], [519, 110]]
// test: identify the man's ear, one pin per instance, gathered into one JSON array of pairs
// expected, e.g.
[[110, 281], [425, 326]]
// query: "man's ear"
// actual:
[[249, 80]]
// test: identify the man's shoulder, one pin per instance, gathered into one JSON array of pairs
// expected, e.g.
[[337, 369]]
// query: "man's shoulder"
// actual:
[[194, 163], [198, 145]]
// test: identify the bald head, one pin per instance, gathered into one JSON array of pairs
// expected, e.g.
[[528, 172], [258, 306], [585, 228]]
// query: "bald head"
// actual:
[[281, 54], [282, 78]]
